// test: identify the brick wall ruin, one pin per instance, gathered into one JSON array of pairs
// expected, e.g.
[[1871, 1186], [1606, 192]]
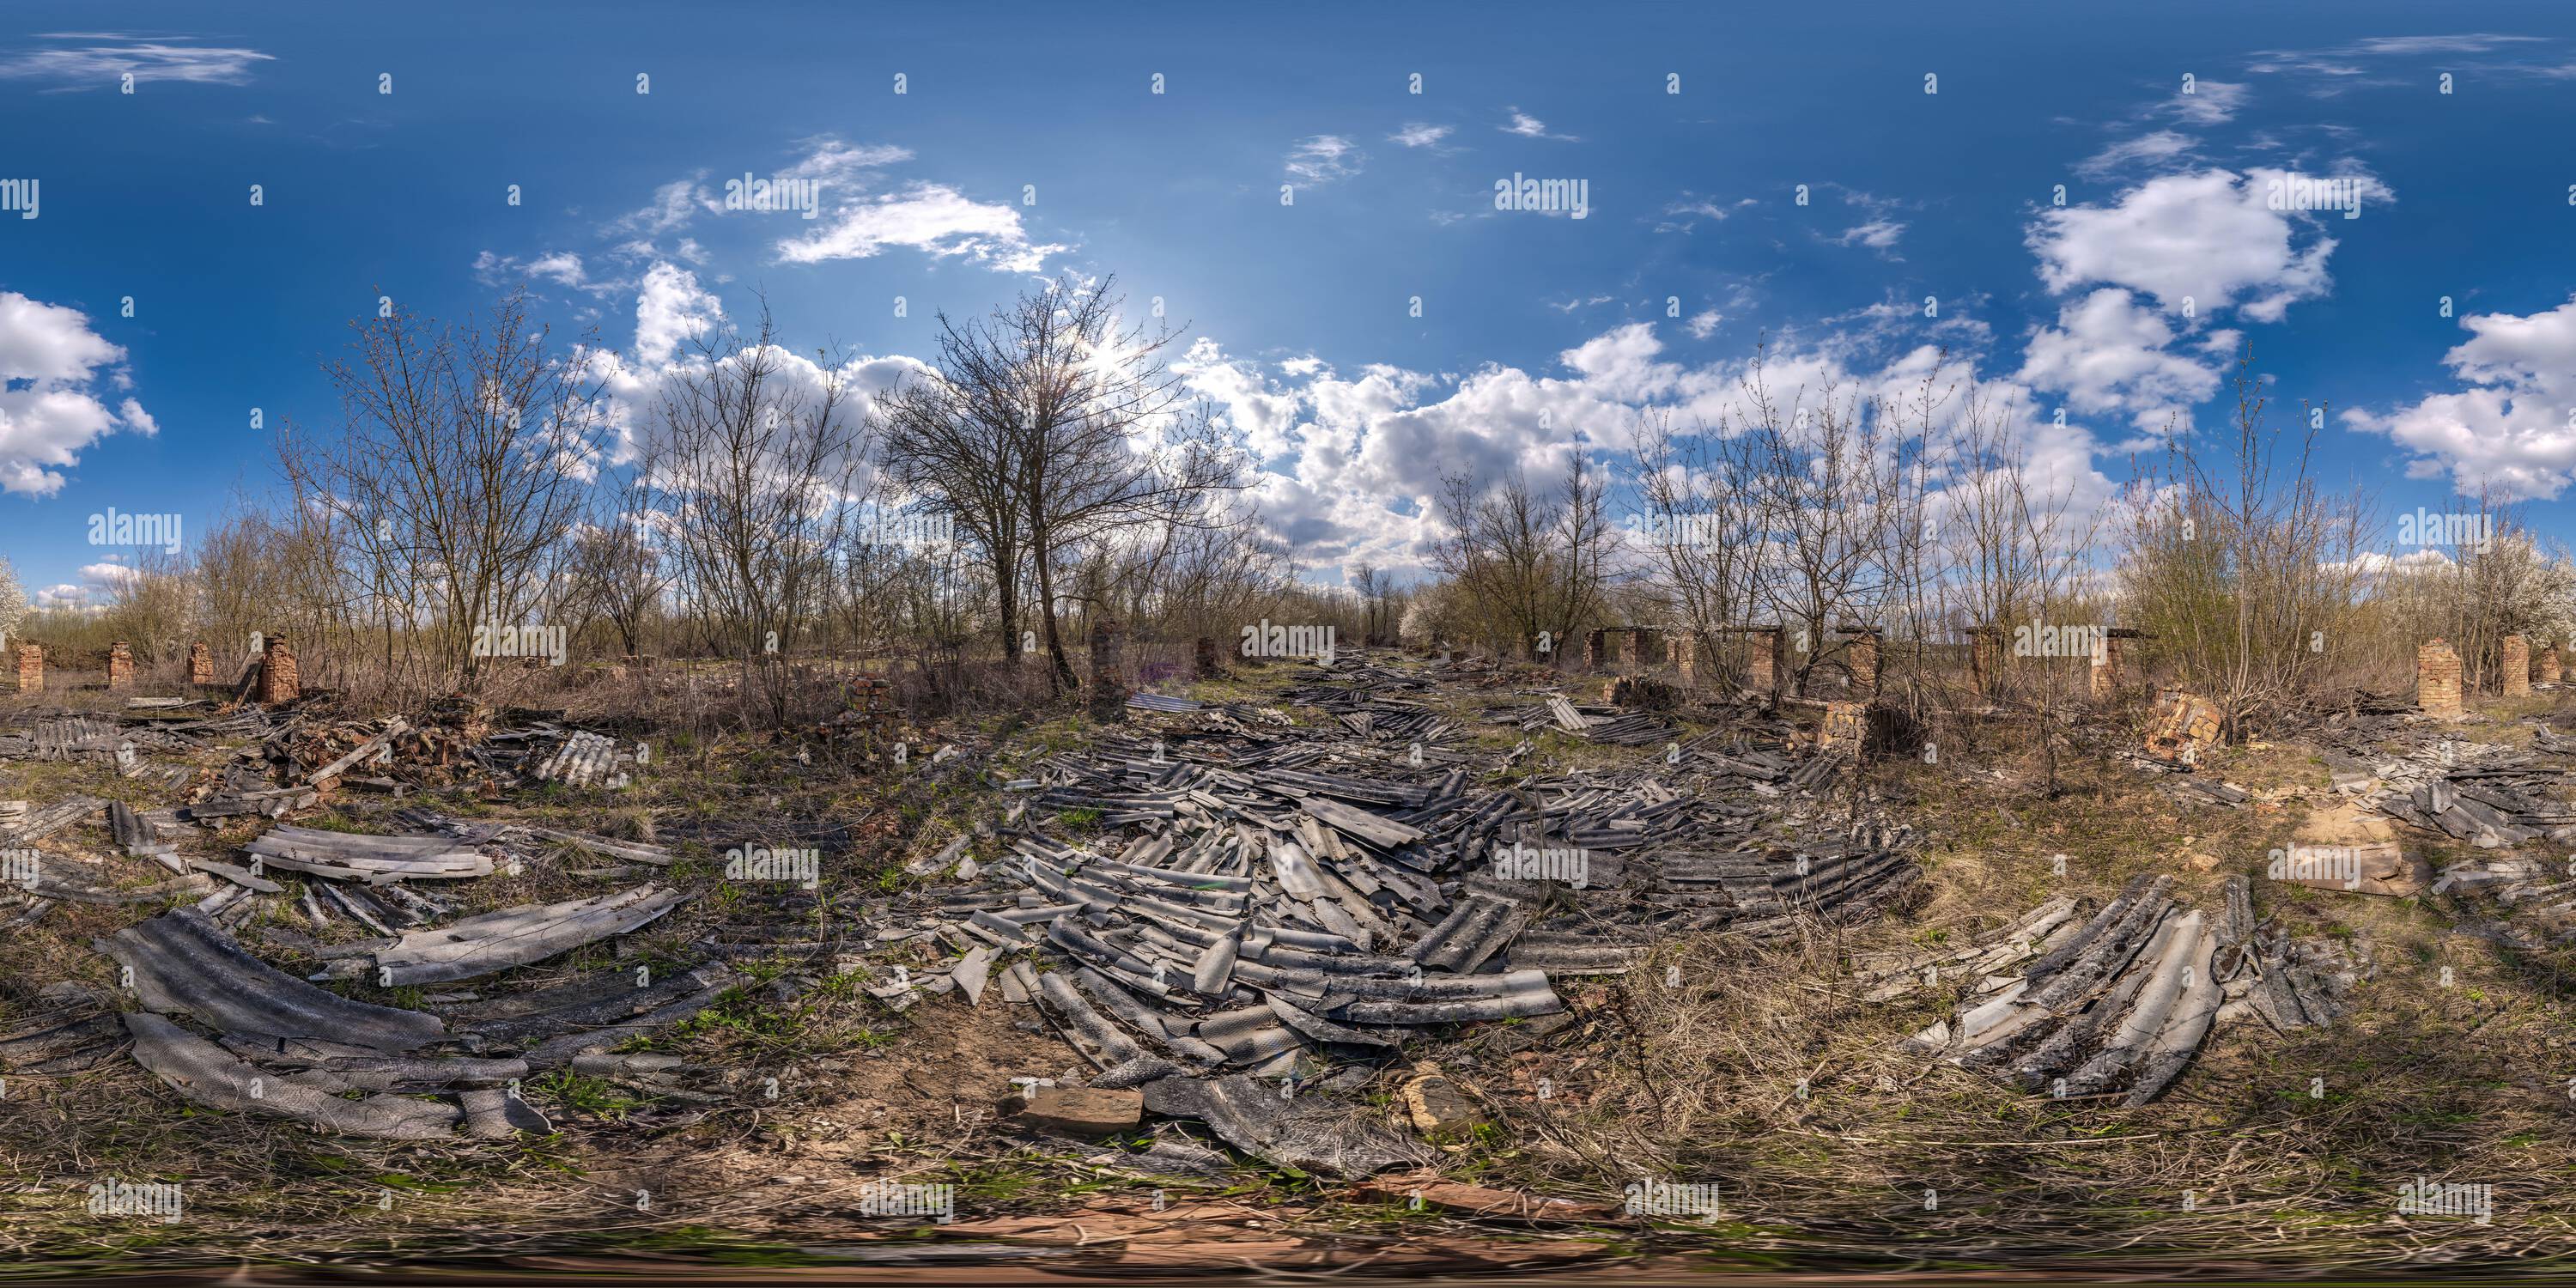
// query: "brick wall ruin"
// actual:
[[2550, 671], [2106, 669], [2515, 661], [1762, 661], [1860, 652], [201, 664], [1685, 650], [279, 680], [31, 669], [2437, 679], [120, 667]]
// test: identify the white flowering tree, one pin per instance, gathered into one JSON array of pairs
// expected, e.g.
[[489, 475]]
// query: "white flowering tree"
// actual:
[[13, 603]]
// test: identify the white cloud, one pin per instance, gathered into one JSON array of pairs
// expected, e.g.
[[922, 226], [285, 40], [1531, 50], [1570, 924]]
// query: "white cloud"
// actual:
[[1878, 234], [670, 309], [2156, 150], [2209, 102], [560, 267], [674, 205], [930, 217], [1530, 127], [2213, 238], [50, 408], [1704, 325], [2510, 430], [2107, 353], [104, 66], [1325, 158], [1417, 134]]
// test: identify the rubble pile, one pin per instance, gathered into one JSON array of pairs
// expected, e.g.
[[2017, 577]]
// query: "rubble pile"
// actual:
[[2120, 1002], [2480, 793], [1277, 904]]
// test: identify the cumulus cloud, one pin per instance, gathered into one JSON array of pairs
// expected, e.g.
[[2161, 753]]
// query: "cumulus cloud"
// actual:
[[1353, 467], [2508, 430], [53, 369], [2109, 353], [933, 218], [669, 310], [2215, 238]]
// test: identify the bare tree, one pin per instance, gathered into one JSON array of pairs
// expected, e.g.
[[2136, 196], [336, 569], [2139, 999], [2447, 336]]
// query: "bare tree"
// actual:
[[752, 454], [454, 473], [1534, 564], [1048, 428]]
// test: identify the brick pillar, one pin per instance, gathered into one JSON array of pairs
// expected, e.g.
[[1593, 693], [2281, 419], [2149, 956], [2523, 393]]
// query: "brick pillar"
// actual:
[[279, 680], [2516, 661], [1685, 650], [1593, 642], [1986, 660], [120, 667], [1762, 667], [1108, 670], [1846, 725], [1647, 649], [2437, 679], [1204, 658], [201, 664], [31, 668], [1861, 652], [2550, 671], [2106, 669]]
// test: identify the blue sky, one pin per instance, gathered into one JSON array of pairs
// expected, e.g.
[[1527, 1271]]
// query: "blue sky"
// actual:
[[1028, 140]]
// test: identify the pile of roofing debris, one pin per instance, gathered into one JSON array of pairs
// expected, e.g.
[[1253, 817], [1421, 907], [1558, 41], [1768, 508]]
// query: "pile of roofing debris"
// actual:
[[262, 1041], [1276, 906], [2489, 796], [2075, 1006], [2482, 794]]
